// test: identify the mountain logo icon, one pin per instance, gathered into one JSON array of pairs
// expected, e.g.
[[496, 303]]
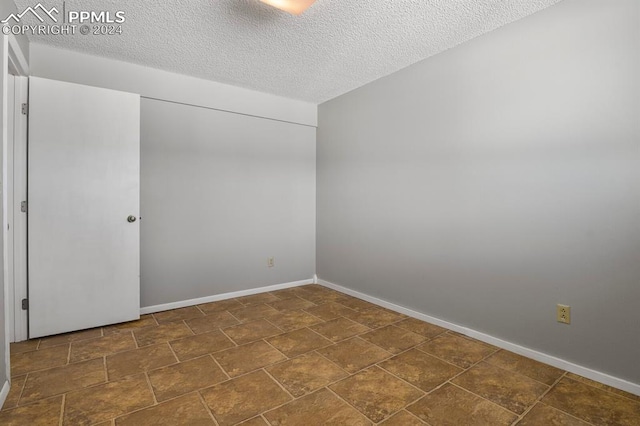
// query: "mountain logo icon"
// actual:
[[38, 11]]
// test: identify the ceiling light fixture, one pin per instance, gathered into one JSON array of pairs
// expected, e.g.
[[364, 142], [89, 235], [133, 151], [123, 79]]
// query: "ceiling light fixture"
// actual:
[[294, 7]]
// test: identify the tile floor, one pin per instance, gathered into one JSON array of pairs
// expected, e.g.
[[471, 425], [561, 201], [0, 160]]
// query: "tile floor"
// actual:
[[303, 356]]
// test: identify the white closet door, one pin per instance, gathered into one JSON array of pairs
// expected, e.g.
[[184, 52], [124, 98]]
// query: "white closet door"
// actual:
[[83, 202]]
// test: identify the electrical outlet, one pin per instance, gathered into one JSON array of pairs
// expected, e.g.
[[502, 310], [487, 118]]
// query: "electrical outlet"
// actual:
[[563, 314], [271, 262]]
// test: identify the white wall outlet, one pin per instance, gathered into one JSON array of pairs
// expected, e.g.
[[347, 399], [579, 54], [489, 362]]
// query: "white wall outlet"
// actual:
[[271, 262], [563, 314]]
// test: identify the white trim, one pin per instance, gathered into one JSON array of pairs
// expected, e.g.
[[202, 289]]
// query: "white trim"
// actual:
[[598, 376], [18, 181], [223, 296], [17, 59], [17, 321], [7, 200], [4, 69], [4, 392]]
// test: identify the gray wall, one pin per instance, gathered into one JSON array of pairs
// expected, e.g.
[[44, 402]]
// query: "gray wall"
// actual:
[[76, 67], [220, 193], [488, 183]]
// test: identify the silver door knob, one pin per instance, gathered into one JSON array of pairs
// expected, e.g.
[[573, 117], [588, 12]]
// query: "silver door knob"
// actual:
[[131, 219]]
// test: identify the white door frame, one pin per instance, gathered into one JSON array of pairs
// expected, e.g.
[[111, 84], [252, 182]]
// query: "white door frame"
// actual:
[[15, 191], [15, 220]]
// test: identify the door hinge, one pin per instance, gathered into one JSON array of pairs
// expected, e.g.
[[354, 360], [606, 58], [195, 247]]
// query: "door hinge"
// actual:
[[25, 109], [23, 207], [25, 304]]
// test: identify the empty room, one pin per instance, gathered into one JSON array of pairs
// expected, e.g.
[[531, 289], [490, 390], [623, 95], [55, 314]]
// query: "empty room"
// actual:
[[320, 212]]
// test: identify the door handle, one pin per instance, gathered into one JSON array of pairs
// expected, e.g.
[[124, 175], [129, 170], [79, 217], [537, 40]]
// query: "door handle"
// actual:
[[131, 219]]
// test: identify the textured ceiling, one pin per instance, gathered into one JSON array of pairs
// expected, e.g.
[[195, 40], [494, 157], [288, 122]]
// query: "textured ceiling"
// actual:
[[334, 47]]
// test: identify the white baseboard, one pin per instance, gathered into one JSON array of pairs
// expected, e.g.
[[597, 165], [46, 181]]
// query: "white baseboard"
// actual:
[[503, 344], [4, 392], [218, 297]]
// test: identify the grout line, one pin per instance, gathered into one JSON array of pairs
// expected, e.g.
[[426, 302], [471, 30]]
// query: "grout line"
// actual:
[[235, 317], [206, 407], [348, 403], [286, 360], [51, 396], [464, 369], [184, 322], [274, 324], [318, 334], [409, 413], [285, 355], [261, 415], [153, 370], [63, 408], [220, 366], [607, 388], [564, 412], [422, 391], [191, 329], [270, 409], [332, 362], [248, 372], [153, 394], [403, 408], [174, 354], [428, 338], [293, 398], [273, 293], [24, 385], [92, 386], [229, 337], [137, 410], [517, 372], [135, 342], [479, 396], [41, 370], [525, 412], [348, 372], [401, 351], [235, 345], [315, 316], [106, 371]]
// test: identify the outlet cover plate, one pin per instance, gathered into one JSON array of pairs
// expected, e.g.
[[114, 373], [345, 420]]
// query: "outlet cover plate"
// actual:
[[563, 314]]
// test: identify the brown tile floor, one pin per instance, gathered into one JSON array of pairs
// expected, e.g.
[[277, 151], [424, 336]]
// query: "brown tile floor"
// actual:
[[303, 356]]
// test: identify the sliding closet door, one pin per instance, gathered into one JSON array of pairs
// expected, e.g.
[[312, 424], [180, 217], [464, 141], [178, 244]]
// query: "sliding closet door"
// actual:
[[83, 173]]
